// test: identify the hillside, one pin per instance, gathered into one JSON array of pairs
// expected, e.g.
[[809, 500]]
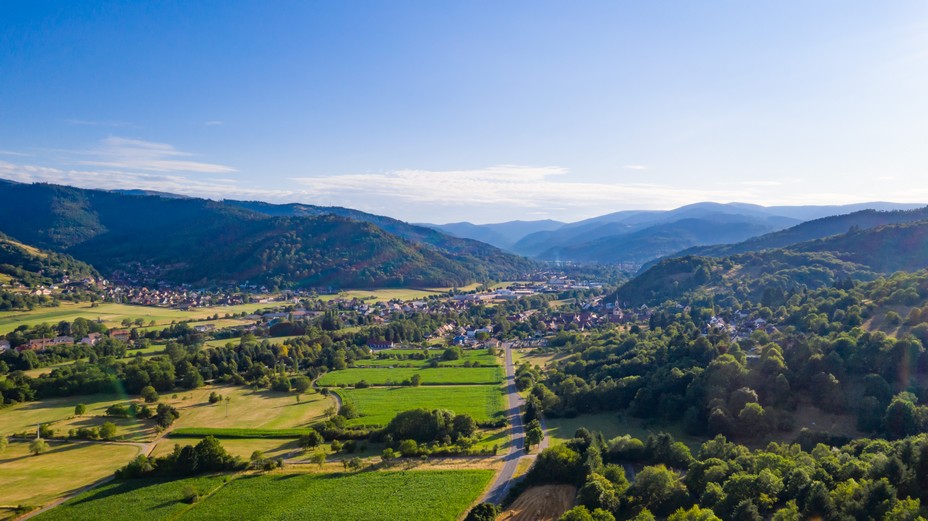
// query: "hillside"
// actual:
[[860, 253], [810, 230], [31, 266], [200, 242]]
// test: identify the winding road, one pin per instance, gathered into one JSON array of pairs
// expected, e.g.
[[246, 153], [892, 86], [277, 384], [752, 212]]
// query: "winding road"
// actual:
[[504, 481]]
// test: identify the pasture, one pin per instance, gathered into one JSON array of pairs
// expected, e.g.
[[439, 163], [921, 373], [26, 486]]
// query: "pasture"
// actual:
[[378, 405], [435, 495], [112, 314], [429, 376], [479, 356], [37, 480], [24, 417]]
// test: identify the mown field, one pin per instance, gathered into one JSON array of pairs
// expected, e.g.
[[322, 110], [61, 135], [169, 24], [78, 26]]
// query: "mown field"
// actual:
[[429, 376], [414, 495], [112, 314], [37, 480], [378, 405], [279, 340]]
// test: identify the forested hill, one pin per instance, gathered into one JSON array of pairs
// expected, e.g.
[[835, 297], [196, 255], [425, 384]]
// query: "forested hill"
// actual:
[[811, 230], [32, 267], [860, 253], [204, 243]]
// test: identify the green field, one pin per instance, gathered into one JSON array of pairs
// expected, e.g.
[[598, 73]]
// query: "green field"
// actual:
[[248, 409], [371, 496], [378, 405], [37, 480], [112, 314], [480, 356], [436, 376], [612, 425], [24, 417], [134, 499], [236, 341]]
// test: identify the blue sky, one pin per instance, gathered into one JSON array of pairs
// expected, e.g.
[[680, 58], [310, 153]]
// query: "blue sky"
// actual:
[[479, 111]]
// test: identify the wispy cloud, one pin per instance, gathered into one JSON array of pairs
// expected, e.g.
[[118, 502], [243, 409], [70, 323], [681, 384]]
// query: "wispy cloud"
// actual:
[[11, 153], [761, 183], [212, 123], [136, 154], [636, 167]]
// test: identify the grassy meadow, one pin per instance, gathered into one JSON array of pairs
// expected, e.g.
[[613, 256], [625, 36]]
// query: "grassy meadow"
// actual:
[[435, 495], [112, 314], [36, 480], [479, 356], [429, 376], [378, 405]]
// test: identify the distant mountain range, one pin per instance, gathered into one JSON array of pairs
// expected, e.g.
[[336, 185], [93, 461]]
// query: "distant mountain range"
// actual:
[[203, 243], [637, 237], [867, 248]]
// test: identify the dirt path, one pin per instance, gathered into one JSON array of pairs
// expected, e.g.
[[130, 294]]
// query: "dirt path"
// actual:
[[545, 503]]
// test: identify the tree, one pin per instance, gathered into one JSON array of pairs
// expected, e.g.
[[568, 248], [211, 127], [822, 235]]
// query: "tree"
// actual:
[[348, 411], [301, 384], [387, 455], [4, 443], [409, 448], [318, 458], [694, 514], [38, 446], [166, 415], [80, 409], [534, 435], [355, 464], [149, 394], [108, 431], [311, 439], [483, 512]]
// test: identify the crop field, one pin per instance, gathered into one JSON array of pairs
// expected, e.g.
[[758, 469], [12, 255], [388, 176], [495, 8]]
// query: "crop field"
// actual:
[[378, 405], [112, 314], [37, 480], [133, 499], [480, 356], [435, 495], [436, 376]]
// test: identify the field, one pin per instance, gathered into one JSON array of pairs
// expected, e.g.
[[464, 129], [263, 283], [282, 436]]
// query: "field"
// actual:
[[379, 405], [248, 409], [24, 417], [414, 495], [480, 356], [237, 341], [612, 425], [545, 503], [438, 375], [133, 499], [242, 448], [37, 480], [112, 314]]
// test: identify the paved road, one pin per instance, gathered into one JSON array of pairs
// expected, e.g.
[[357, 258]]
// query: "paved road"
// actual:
[[516, 451]]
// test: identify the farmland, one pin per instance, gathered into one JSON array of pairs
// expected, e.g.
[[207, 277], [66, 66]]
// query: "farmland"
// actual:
[[37, 480], [112, 314], [473, 356], [429, 376], [379, 405], [435, 495]]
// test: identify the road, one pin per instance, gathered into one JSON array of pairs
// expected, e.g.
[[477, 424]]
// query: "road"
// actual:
[[503, 482]]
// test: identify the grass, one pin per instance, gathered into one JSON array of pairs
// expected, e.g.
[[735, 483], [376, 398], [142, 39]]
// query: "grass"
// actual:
[[37, 480], [112, 314], [434, 495], [244, 447], [383, 295], [201, 432], [612, 425], [24, 417], [133, 499], [480, 356], [236, 341], [378, 405], [372, 496], [436, 376], [248, 409]]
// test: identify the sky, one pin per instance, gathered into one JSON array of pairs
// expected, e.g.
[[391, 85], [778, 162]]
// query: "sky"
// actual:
[[480, 111]]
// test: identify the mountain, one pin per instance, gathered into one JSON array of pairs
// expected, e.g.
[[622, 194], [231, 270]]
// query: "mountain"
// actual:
[[815, 229], [502, 235], [859, 253], [204, 243], [32, 267]]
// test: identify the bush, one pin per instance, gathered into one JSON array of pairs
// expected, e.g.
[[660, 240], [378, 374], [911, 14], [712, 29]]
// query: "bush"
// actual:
[[149, 394], [117, 410]]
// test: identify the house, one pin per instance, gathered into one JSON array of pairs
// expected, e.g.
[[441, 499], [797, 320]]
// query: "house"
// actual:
[[91, 339], [4, 345], [120, 334], [379, 344], [204, 328], [63, 340]]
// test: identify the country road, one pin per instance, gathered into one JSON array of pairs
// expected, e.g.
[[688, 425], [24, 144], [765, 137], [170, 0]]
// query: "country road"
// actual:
[[503, 482]]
